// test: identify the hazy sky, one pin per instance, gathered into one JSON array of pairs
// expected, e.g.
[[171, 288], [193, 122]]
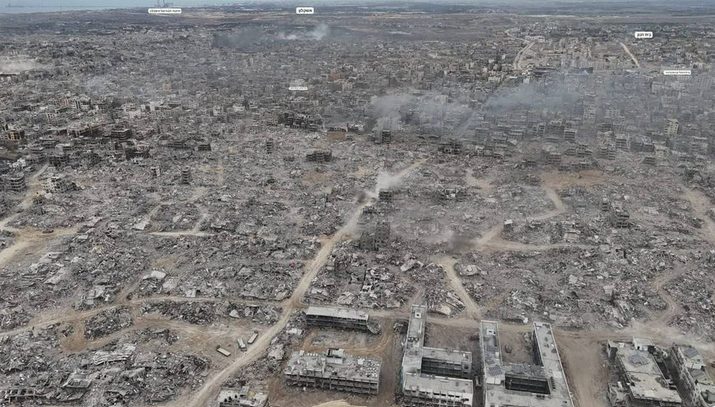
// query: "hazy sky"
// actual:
[[54, 5]]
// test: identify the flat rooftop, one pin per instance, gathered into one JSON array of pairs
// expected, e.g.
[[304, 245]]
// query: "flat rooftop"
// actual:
[[431, 386], [447, 355], [416, 327], [549, 369], [695, 364], [334, 312], [335, 364], [646, 381], [463, 388]]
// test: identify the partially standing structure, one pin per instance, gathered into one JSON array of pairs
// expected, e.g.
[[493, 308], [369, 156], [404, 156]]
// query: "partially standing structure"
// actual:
[[539, 384], [334, 370]]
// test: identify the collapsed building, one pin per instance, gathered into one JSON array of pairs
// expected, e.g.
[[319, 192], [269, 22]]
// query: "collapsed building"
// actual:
[[340, 318], [241, 398], [643, 378], [433, 376], [334, 371], [542, 383]]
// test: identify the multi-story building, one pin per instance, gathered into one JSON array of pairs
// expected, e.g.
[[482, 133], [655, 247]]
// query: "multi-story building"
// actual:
[[428, 374], [335, 371], [641, 381], [331, 317], [693, 376], [671, 128], [541, 384]]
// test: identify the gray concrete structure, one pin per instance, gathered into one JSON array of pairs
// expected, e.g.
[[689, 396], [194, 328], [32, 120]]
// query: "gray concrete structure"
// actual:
[[426, 372], [335, 371], [541, 384], [16, 182], [332, 317], [640, 380], [693, 376], [241, 398]]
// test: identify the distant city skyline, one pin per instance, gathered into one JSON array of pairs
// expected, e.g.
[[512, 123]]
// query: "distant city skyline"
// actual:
[[45, 6]]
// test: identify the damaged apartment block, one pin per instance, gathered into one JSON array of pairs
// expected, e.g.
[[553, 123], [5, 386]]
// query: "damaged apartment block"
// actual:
[[698, 387], [333, 371], [643, 378], [620, 218], [383, 137], [339, 318], [539, 384], [60, 184], [15, 182], [451, 147], [375, 239], [385, 195], [185, 176], [319, 156]]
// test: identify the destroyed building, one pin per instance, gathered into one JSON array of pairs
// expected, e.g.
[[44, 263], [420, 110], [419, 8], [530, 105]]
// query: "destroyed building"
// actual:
[[641, 380], [242, 397], [335, 370], [340, 318]]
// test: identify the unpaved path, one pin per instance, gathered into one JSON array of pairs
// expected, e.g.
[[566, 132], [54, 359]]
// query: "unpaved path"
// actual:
[[209, 391], [470, 307]]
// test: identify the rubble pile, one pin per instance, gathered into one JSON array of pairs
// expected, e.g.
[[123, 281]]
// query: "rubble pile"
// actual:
[[581, 288], [203, 313], [175, 217], [440, 208], [108, 322], [431, 279], [116, 373], [354, 278], [6, 239]]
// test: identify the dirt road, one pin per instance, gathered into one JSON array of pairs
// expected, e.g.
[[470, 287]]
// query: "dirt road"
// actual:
[[209, 391], [701, 204], [491, 240], [470, 307]]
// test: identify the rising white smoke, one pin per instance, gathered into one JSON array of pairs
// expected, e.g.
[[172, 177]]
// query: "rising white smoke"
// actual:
[[318, 33]]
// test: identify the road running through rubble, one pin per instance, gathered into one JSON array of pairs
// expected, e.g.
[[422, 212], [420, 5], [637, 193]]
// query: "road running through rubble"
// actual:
[[70, 316], [516, 64], [630, 54], [210, 390], [27, 238], [700, 203], [470, 306], [491, 240]]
